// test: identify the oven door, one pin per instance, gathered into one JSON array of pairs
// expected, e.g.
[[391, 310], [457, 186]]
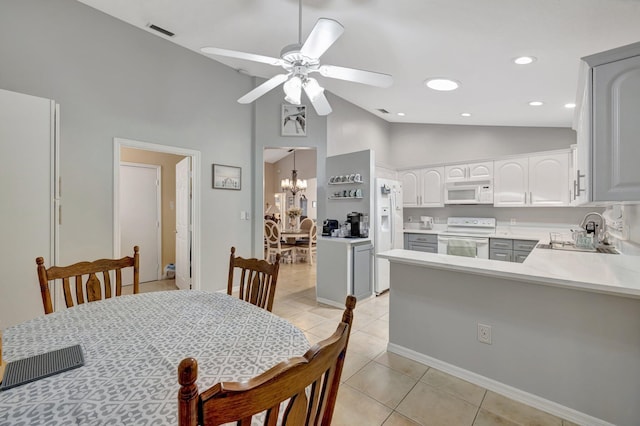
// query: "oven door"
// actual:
[[462, 245]]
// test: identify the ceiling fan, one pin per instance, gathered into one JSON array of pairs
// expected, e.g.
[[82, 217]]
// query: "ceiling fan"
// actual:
[[299, 60]]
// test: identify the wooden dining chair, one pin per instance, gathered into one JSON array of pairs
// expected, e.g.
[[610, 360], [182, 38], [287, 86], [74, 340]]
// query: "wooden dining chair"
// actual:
[[308, 383], [307, 247], [273, 241], [85, 282], [258, 279]]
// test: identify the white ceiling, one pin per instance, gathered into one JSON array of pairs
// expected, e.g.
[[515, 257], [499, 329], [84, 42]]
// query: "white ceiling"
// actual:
[[471, 41]]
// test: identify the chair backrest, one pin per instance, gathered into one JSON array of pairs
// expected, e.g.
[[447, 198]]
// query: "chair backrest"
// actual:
[[319, 369], [271, 232], [313, 234], [257, 280], [86, 283], [306, 223]]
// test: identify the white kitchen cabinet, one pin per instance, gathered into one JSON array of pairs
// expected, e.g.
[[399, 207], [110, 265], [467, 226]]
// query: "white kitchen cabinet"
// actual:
[[533, 181], [511, 182], [423, 187], [409, 179], [608, 127], [470, 171]]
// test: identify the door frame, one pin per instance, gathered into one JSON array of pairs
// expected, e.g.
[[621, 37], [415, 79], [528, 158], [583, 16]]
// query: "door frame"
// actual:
[[158, 171], [118, 143]]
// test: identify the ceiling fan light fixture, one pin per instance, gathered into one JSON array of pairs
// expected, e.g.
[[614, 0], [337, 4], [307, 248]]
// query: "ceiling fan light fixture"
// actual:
[[293, 90], [312, 88]]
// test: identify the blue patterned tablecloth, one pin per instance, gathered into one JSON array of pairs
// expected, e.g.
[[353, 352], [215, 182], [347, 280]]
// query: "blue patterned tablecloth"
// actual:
[[132, 347]]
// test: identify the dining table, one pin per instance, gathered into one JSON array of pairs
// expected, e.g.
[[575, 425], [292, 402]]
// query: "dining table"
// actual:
[[132, 346]]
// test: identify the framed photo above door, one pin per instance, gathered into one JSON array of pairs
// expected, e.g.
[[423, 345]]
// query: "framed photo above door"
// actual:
[[294, 120]]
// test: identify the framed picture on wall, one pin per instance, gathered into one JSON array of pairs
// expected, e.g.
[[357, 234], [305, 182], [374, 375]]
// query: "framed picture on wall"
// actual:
[[227, 177], [293, 120]]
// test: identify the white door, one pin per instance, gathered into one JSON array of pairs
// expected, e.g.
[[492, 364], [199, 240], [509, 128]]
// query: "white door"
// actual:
[[140, 218], [432, 187], [548, 177], [27, 138], [183, 220], [511, 182], [409, 180]]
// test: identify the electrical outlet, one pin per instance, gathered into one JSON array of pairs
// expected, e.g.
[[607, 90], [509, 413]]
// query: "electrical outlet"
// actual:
[[484, 333], [513, 221]]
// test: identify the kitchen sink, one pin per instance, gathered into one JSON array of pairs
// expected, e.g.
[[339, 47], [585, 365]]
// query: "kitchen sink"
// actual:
[[572, 247]]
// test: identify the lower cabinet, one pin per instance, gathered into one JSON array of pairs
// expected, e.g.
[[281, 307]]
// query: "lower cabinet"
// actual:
[[421, 242], [362, 267], [509, 250]]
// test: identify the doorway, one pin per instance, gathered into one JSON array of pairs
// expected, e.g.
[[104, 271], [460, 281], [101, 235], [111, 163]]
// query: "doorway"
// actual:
[[279, 164], [189, 182]]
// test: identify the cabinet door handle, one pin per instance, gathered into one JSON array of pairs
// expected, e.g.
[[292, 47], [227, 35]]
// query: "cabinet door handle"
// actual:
[[575, 190], [578, 176]]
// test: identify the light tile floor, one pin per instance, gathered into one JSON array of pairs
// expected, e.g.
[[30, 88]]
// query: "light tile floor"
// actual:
[[382, 388]]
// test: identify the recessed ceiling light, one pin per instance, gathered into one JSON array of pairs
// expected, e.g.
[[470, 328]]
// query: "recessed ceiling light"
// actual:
[[570, 105], [442, 84], [401, 114], [466, 114], [536, 103], [524, 60]]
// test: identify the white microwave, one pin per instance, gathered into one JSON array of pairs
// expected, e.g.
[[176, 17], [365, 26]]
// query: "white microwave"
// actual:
[[469, 192]]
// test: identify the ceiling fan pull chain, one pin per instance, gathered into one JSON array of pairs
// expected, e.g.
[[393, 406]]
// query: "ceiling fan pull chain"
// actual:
[[300, 22]]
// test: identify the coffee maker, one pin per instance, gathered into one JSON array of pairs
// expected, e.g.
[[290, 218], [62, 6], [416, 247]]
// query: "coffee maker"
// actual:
[[355, 220]]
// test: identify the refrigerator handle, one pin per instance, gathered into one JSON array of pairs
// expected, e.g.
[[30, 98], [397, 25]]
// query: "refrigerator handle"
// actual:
[[392, 212]]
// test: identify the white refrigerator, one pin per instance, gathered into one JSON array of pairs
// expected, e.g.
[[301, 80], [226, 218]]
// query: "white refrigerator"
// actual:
[[388, 222]]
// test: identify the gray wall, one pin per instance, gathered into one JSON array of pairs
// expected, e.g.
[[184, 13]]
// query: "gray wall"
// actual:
[[415, 145], [114, 80], [351, 128], [576, 348]]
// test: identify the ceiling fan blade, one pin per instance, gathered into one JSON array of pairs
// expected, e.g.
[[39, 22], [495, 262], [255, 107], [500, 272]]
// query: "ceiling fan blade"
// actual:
[[359, 76], [242, 55], [320, 103], [272, 83], [322, 36]]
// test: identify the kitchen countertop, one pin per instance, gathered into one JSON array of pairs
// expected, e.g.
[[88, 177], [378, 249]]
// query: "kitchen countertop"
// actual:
[[345, 240], [601, 273], [511, 232]]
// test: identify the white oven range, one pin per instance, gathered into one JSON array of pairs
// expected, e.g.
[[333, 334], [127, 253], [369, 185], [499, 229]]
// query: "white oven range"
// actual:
[[467, 236]]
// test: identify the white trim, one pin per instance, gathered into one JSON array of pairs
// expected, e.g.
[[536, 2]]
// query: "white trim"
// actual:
[[158, 170], [329, 302], [118, 143], [527, 398]]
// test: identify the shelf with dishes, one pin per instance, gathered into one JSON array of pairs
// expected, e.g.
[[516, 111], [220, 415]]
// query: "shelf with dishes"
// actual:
[[346, 179], [353, 194]]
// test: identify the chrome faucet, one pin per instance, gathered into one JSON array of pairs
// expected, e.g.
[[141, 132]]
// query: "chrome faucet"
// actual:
[[598, 228]]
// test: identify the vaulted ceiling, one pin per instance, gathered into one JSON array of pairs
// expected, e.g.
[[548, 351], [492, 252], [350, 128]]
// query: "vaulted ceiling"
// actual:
[[470, 41]]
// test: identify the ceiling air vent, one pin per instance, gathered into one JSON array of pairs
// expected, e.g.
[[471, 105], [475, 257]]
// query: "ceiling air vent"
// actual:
[[383, 111], [161, 30]]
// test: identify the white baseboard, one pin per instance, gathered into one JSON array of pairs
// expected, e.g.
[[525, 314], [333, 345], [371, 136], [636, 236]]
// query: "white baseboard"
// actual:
[[501, 388]]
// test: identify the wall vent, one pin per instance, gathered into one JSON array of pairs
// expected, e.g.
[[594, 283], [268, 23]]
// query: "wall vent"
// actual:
[[161, 30], [383, 111]]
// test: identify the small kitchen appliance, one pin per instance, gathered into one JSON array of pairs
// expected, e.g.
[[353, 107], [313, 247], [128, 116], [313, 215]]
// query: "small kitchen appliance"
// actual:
[[355, 220], [328, 226], [469, 192]]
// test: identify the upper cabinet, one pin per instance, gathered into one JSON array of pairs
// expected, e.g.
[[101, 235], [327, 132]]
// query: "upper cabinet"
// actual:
[[534, 181], [471, 171], [423, 187], [607, 124]]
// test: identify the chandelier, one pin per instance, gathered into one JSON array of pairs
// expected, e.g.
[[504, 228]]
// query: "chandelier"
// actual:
[[294, 184]]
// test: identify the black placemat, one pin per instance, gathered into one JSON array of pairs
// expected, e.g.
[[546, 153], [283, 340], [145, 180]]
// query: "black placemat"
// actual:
[[37, 367]]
